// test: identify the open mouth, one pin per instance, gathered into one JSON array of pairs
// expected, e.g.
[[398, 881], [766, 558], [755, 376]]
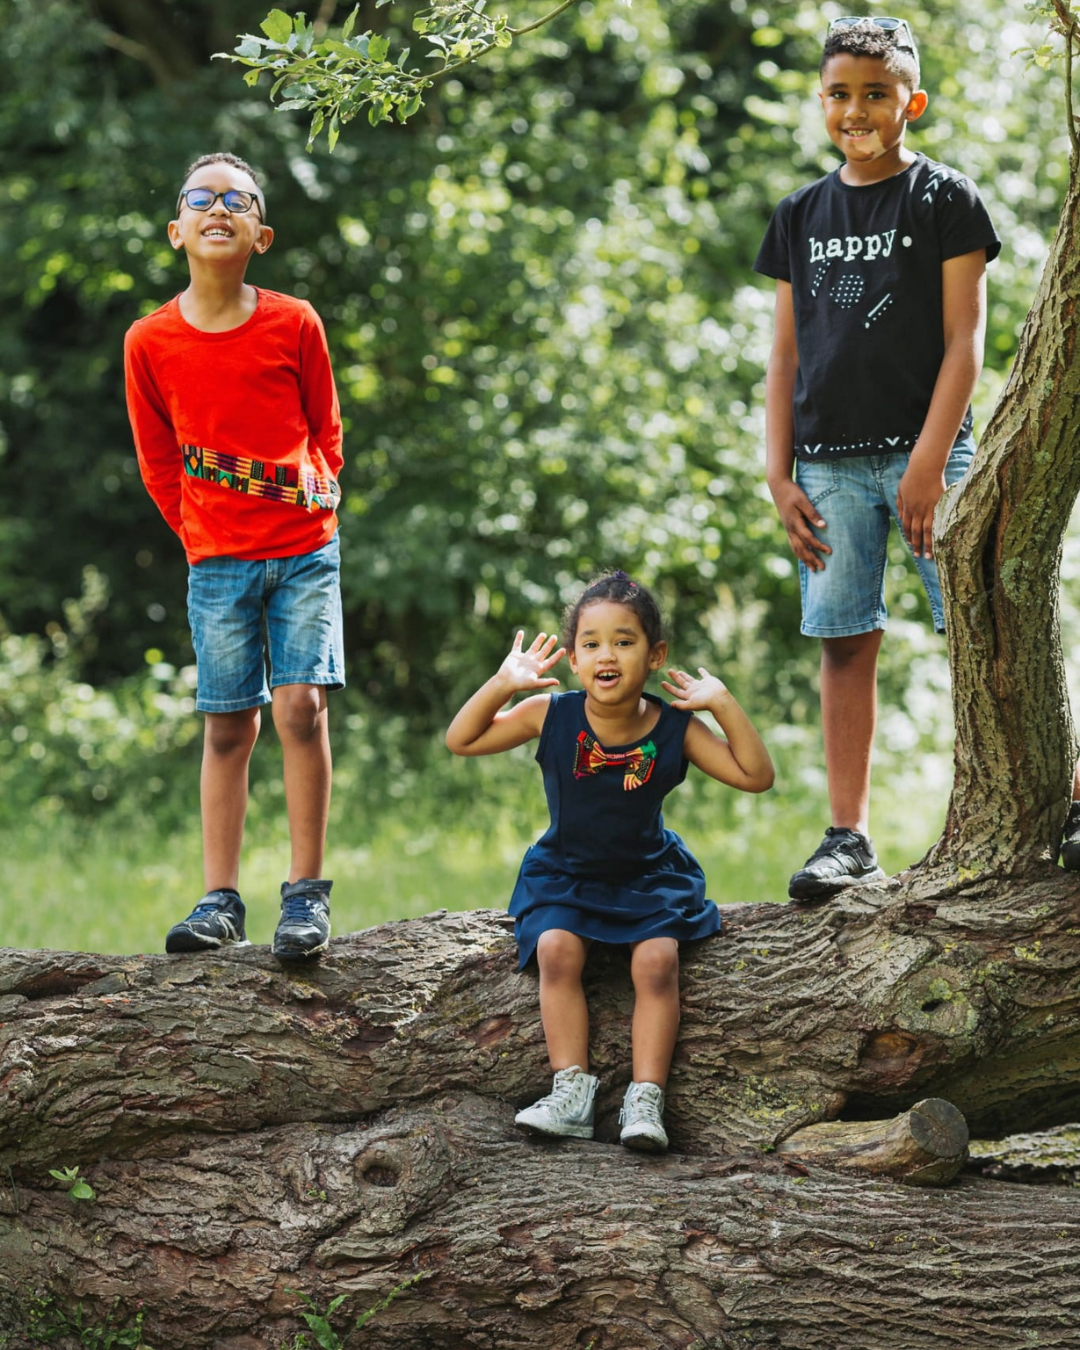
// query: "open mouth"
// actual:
[[607, 676], [217, 233]]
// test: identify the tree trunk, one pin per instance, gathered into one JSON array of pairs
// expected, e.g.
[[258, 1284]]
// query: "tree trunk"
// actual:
[[250, 1130]]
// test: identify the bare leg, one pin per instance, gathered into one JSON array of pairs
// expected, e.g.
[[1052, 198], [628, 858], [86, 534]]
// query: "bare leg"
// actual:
[[300, 717], [654, 968], [848, 721], [228, 740], [563, 1010], [1076, 783]]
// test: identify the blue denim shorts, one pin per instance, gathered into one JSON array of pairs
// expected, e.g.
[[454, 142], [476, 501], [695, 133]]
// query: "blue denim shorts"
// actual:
[[257, 625], [857, 499]]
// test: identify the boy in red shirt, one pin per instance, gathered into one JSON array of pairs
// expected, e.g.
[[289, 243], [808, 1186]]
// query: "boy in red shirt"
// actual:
[[236, 424]]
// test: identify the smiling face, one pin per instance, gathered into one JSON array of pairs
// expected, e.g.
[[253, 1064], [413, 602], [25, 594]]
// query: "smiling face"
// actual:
[[867, 109], [219, 234], [611, 655]]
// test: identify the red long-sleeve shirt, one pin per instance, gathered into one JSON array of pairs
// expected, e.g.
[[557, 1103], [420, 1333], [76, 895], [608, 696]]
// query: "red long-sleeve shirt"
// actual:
[[238, 434]]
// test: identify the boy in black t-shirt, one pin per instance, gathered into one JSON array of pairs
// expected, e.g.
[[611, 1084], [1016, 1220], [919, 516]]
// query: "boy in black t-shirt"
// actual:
[[880, 314]]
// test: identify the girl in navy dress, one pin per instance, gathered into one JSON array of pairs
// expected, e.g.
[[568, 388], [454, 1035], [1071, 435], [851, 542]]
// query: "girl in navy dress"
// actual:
[[607, 870]]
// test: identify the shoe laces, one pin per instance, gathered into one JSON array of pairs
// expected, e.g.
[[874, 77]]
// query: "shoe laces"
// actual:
[[644, 1101], [838, 840], [206, 907], [300, 908], [567, 1088]]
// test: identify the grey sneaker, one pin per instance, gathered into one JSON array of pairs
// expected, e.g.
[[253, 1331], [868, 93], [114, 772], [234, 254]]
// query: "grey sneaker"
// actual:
[[843, 858], [641, 1118], [1070, 840], [216, 921], [567, 1111], [303, 930]]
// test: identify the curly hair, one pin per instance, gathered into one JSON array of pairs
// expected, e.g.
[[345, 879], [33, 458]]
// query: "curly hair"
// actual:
[[867, 39], [619, 589], [235, 162]]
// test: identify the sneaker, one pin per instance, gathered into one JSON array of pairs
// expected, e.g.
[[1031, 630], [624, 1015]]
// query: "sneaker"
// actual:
[[304, 927], [641, 1118], [216, 921], [1070, 840], [567, 1111], [843, 858]]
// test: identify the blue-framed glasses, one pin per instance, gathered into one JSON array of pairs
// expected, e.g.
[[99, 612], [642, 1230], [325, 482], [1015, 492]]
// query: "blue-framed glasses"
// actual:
[[898, 29], [237, 203]]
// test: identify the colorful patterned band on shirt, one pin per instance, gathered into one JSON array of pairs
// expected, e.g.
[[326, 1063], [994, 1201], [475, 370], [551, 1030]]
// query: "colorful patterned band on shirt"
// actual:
[[256, 477]]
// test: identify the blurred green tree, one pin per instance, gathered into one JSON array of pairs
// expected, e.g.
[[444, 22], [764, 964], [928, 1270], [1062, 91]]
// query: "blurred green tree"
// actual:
[[548, 342]]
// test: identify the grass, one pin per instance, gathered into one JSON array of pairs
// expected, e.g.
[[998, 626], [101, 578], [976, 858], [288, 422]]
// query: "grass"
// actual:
[[83, 887]]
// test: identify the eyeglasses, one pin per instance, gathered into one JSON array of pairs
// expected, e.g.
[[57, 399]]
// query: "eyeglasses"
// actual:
[[901, 33], [234, 201]]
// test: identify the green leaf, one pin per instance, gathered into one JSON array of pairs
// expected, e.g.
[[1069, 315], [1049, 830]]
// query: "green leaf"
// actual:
[[277, 26], [252, 77], [349, 24], [406, 110], [81, 1191], [251, 46], [333, 132], [503, 38], [378, 47]]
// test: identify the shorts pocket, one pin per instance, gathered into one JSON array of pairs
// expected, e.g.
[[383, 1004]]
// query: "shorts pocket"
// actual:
[[818, 479]]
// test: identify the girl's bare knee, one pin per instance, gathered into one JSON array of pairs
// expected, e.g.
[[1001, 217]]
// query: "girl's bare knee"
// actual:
[[560, 955], [654, 965], [298, 710]]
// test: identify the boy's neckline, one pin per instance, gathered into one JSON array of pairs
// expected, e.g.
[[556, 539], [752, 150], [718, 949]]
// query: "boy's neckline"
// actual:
[[219, 332], [616, 746], [876, 182]]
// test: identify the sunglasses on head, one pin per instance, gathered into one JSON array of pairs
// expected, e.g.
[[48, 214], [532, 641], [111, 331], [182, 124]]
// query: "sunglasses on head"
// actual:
[[234, 201], [898, 29]]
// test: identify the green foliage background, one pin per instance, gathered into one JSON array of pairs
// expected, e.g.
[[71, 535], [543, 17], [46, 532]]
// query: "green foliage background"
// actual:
[[549, 347]]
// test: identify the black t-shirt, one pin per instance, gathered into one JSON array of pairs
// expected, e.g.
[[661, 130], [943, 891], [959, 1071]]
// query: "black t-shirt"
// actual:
[[864, 265]]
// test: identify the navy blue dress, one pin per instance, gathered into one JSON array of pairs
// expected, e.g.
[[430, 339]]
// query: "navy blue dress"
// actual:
[[607, 869]]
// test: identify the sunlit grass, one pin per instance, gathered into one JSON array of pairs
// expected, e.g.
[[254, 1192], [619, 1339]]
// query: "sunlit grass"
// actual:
[[107, 890]]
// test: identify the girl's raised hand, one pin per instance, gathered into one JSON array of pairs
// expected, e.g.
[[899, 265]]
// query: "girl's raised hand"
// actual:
[[694, 695], [525, 670]]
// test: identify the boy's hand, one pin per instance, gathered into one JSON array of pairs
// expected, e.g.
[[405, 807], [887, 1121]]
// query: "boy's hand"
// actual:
[[524, 670], [694, 695], [919, 492], [797, 513]]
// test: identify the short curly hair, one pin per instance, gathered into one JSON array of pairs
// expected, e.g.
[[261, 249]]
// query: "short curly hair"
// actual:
[[235, 162], [867, 39]]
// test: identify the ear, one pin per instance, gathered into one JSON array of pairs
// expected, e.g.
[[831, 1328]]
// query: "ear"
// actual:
[[917, 106], [174, 234], [265, 239], [658, 656], [572, 659]]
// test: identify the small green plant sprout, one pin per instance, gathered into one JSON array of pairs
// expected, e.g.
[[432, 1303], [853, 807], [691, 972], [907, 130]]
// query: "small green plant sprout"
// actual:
[[335, 78], [78, 1188], [394, 1293], [318, 1319]]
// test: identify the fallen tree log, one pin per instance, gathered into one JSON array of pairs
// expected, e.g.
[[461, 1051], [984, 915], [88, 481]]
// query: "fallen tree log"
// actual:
[[250, 1130]]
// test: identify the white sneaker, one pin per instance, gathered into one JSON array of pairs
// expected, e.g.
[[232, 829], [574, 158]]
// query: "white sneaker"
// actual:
[[567, 1111], [641, 1118]]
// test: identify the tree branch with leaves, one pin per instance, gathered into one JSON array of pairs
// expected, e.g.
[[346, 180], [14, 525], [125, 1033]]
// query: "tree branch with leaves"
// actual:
[[337, 78]]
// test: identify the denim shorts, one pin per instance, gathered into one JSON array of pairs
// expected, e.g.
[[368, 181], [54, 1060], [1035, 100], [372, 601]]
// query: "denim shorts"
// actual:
[[257, 625], [857, 499]]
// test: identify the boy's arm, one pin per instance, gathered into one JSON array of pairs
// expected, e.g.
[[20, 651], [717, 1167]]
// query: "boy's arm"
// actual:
[[792, 503], [741, 760], [318, 394], [963, 312], [156, 443]]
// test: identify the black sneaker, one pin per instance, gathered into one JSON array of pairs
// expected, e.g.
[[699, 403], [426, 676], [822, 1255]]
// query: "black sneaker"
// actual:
[[304, 927], [843, 858], [1070, 840], [216, 921]]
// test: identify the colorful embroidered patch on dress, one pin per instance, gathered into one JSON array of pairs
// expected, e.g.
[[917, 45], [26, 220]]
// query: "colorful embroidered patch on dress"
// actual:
[[256, 477], [590, 757]]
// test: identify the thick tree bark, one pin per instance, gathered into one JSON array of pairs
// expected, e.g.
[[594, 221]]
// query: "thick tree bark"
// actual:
[[250, 1130]]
